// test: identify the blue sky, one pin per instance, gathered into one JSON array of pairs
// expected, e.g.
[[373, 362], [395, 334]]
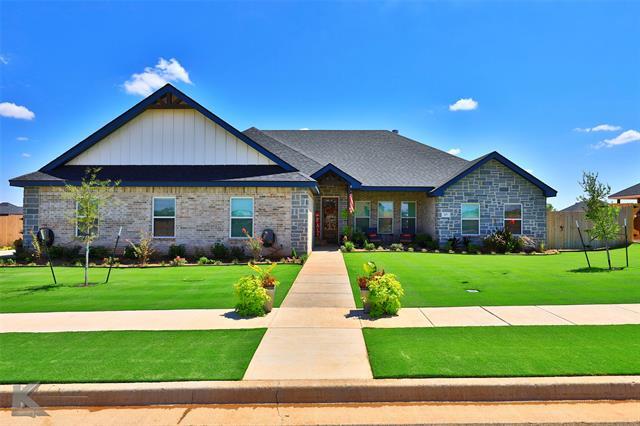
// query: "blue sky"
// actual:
[[542, 75]]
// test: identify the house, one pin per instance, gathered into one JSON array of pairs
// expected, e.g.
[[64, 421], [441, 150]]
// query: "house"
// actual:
[[10, 223], [189, 177], [630, 193]]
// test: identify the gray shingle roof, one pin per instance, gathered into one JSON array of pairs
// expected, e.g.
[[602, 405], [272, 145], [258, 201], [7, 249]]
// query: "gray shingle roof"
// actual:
[[632, 191], [377, 158], [9, 209]]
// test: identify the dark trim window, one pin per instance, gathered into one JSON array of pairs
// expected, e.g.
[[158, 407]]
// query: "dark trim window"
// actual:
[[408, 215], [513, 218], [470, 214], [81, 214], [385, 217], [164, 217], [241, 217], [362, 215]]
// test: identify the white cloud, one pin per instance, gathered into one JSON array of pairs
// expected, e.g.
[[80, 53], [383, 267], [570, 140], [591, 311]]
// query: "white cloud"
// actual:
[[25, 155], [465, 104], [623, 138], [22, 138], [305, 128], [11, 110], [153, 78], [4, 59], [598, 128], [454, 151]]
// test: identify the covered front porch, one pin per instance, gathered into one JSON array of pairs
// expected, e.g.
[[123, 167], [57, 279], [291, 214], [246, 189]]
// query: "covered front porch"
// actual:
[[388, 213]]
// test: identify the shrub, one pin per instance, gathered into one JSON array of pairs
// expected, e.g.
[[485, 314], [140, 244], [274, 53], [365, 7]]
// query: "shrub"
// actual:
[[219, 251], [527, 244], [204, 261], [349, 246], [98, 252], [254, 244], [396, 247], [410, 250], [454, 243], [369, 246], [178, 261], [129, 252], [294, 253], [426, 241], [304, 258], [144, 249], [251, 296], [236, 253], [385, 292], [501, 241], [359, 238], [176, 250]]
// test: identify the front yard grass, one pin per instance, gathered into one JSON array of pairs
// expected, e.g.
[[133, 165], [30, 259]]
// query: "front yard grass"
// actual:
[[504, 351], [31, 289], [126, 356], [432, 279]]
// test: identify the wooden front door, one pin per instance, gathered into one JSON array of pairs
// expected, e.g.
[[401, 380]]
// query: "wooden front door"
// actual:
[[330, 220]]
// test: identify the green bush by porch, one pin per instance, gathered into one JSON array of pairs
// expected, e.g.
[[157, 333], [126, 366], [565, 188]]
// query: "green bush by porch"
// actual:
[[126, 356], [31, 289], [504, 351], [431, 279]]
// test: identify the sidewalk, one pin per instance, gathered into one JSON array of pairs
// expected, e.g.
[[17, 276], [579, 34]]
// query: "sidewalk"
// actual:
[[314, 335], [320, 317]]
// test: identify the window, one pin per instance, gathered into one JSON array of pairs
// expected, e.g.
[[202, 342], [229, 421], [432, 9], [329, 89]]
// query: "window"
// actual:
[[80, 213], [241, 216], [513, 218], [385, 217], [408, 215], [470, 213], [362, 215], [164, 217]]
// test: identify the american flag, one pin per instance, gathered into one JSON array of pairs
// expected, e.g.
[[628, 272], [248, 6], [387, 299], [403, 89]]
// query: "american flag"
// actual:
[[352, 207]]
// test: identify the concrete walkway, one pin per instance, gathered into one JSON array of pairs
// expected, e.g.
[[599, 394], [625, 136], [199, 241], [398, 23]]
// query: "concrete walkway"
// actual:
[[313, 336]]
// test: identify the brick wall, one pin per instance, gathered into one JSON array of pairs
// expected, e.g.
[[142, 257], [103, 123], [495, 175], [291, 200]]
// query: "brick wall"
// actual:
[[202, 215], [492, 185]]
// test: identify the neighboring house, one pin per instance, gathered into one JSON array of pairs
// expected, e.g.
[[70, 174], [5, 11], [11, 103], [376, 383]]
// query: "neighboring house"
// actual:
[[580, 206], [10, 223], [631, 193], [188, 177]]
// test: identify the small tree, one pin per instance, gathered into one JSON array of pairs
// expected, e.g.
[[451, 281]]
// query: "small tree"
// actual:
[[144, 249], [89, 198], [603, 216]]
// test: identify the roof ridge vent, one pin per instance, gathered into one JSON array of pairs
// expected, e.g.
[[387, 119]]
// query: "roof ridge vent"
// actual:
[[395, 131]]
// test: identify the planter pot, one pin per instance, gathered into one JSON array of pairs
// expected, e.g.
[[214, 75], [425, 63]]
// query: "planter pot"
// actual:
[[271, 293], [364, 295]]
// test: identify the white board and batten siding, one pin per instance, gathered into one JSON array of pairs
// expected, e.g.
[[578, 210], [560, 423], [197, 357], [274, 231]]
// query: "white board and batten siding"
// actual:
[[170, 137]]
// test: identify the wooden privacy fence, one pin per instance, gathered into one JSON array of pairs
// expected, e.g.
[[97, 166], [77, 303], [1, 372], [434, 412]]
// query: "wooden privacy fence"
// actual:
[[562, 232], [10, 229]]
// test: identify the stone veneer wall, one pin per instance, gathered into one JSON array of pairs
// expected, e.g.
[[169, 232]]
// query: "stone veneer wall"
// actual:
[[302, 220], [202, 215], [30, 211], [492, 185]]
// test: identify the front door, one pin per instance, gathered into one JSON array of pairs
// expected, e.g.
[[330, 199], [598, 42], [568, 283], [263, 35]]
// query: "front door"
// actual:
[[330, 220]]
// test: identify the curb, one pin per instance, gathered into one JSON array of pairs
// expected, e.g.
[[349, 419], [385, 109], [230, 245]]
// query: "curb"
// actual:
[[334, 391]]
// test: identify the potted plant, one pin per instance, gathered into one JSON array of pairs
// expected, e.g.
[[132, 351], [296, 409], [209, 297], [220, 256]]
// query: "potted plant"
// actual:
[[370, 271], [268, 282]]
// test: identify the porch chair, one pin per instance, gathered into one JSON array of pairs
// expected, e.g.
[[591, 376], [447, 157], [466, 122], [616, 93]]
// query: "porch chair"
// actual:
[[406, 238], [373, 237]]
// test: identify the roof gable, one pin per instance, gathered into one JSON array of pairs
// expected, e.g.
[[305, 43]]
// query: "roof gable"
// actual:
[[167, 97], [479, 162]]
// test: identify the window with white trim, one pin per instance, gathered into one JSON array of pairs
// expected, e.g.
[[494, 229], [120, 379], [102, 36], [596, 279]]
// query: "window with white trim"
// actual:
[[241, 217], [470, 214], [362, 215], [385, 217], [513, 218], [408, 216], [164, 217], [80, 214]]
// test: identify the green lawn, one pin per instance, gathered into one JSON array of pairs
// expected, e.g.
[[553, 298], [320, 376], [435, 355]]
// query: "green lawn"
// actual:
[[431, 279], [31, 289], [504, 351], [126, 356]]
